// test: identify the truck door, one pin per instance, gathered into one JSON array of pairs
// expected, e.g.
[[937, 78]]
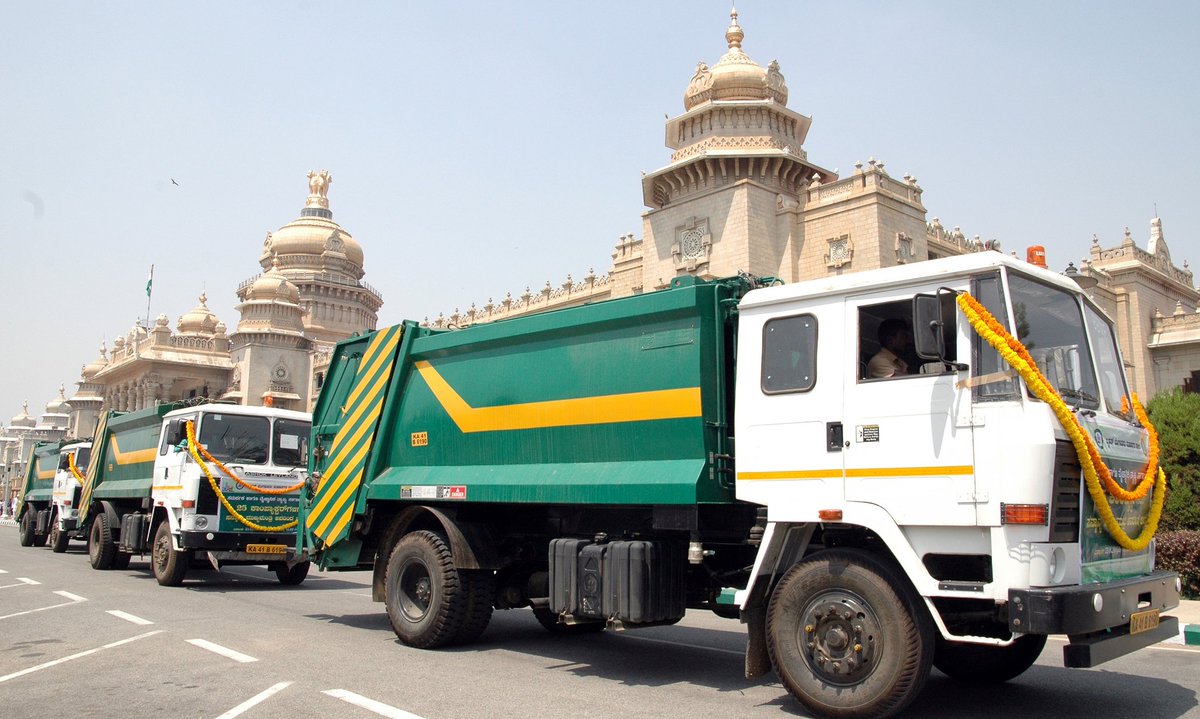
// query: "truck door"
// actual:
[[908, 447], [789, 427]]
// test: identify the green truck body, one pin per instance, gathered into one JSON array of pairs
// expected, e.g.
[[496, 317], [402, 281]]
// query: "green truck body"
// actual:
[[606, 405]]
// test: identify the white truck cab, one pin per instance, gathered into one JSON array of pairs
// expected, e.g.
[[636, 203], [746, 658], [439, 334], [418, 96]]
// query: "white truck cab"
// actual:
[[239, 504], [68, 480]]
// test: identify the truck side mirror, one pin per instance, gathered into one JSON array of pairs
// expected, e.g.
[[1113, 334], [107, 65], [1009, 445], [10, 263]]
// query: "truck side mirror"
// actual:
[[176, 432], [928, 328]]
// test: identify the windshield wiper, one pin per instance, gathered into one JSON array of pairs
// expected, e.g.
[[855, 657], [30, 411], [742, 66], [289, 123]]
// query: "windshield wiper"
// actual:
[[1077, 394]]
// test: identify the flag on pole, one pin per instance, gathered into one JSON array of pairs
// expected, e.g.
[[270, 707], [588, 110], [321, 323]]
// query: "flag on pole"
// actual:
[[150, 281]]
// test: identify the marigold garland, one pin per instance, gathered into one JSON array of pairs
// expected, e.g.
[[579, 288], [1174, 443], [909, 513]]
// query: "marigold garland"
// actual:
[[1096, 474], [74, 470], [192, 445]]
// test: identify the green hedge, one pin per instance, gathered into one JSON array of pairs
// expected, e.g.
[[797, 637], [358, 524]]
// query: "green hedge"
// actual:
[[1179, 551]]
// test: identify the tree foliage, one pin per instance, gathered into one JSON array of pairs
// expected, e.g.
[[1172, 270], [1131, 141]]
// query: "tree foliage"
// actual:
[[1176, 416]]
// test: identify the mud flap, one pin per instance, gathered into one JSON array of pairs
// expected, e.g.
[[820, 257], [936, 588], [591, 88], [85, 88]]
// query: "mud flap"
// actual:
[[758, 661]]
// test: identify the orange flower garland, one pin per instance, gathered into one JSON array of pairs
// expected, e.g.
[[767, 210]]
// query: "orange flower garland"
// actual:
[[1096, 474], [74, 470]]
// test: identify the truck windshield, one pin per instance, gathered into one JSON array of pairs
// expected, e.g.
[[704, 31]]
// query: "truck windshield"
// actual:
[[1049, 323], [81, 457], [289, 443], [1108, 363], [236, 438], [993, 380]]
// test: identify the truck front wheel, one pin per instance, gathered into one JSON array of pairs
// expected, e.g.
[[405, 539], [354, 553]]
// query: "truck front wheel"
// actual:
[[58, 538], [847, 636], [170, 566], [426, 600], [987, 664], [28, 532]]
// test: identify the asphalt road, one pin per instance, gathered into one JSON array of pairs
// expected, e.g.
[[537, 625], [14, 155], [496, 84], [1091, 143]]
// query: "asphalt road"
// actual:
[[75, 642]]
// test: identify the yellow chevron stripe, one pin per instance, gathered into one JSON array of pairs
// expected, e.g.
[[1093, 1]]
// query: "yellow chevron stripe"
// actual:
[[345, 471], [352, 431], [134, 456], [338, 505], [600, 409], [373, 359], [953, 470]]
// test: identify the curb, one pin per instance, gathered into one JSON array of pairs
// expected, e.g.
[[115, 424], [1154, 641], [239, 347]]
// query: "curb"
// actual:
[[1191, 634]]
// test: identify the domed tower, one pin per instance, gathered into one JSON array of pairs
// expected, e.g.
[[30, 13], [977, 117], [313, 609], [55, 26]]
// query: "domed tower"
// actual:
[[271, 355], [737, 160], [88, 399], [58, 412], [325, 264]]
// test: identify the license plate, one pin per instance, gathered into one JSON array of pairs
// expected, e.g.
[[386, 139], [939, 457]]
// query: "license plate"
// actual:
[[281, 549], [1143, 621]]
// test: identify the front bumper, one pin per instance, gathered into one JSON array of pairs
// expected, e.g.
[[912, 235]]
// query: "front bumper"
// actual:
[[1096, 617], [237, 541]]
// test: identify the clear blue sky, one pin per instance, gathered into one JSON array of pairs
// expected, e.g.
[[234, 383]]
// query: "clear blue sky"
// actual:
[[478, 148]]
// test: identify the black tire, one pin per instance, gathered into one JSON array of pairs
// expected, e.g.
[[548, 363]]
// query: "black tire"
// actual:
[[425, 600], [983, 664], [549, 620], [170, 566], [848, 637], [480, 588], [28, 528], [293, 576], [121, 560], [58, 538], [101, 547]]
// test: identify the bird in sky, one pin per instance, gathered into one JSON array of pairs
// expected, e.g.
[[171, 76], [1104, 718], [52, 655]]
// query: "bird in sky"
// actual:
[[173, 182]]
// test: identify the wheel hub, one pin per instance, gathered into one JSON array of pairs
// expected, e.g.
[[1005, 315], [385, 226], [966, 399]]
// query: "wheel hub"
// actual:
[[840, 638], [416, 591]]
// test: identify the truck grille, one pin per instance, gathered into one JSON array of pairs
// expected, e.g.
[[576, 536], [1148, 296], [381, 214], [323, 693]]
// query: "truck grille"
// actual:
[[206, 499], [1064, 511]]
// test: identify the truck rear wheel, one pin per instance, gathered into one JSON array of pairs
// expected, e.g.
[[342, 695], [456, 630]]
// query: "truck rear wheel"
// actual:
[[28, 532], [847, 636], [101, 547], [424, 593], [987, 664], [480, 588], [58, 538], [291, 576], [170, 566]]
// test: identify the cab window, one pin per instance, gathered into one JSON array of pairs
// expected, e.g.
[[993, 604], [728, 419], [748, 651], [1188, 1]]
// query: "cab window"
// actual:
[[236, 438], [289, 443], [789, 354], [885, 341]]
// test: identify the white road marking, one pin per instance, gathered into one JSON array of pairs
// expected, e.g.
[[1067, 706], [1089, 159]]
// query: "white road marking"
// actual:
[[383, 710], [254, 700], [223, 651], [3, 571], [23, 581], [128, 617], [75, 599], [56, 662], [685, 644]]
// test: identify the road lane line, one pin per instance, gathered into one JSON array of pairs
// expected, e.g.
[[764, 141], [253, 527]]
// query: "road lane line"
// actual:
[[383, 710], [223, 651], [56, 662], [75, 599], [254, 700], [22, 581], [3, 571], [128, 617]]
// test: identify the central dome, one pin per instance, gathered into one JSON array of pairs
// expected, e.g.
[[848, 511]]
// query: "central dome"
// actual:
[[735, 76], [313, 234]]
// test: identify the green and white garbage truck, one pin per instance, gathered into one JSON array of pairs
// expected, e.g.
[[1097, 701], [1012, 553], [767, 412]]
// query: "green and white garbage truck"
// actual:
[[583, 463], [208, 483], [50, 492]]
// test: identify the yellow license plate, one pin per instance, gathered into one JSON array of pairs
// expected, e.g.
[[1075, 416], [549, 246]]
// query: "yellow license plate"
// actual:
[[1143, 621], [277, 549]]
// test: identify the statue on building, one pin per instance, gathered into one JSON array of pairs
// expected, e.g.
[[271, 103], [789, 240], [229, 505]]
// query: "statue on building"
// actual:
[[318, 183]]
